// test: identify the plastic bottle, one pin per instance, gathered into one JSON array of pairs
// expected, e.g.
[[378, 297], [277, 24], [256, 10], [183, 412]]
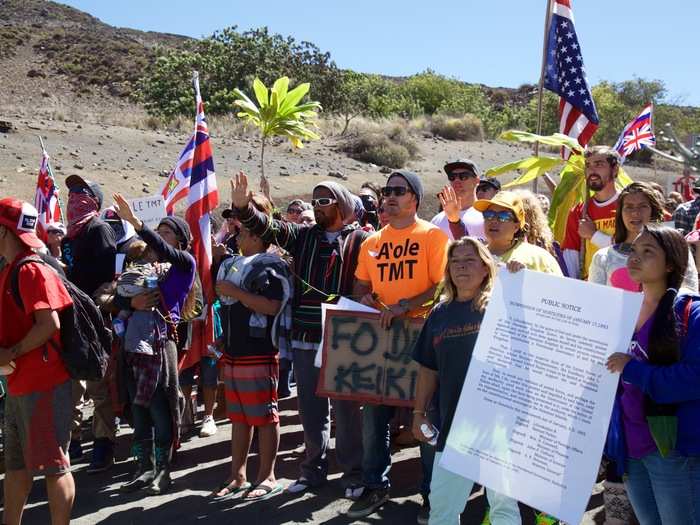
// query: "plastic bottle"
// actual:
[[431, 433]]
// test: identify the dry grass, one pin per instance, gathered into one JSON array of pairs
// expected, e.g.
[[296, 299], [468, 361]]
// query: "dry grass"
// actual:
[[468, 127]]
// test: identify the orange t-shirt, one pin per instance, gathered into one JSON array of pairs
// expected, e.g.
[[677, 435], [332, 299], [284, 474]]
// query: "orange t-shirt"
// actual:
[[401, 264]]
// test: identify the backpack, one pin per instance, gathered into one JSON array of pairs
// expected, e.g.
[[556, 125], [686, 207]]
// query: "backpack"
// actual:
[[85, 339]]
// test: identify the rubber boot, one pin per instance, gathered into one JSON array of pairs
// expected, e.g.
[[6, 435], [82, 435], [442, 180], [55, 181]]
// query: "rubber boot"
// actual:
[[161, 482], [145, 473]]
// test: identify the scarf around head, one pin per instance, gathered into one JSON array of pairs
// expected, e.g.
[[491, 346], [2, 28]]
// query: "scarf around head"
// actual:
[[81, 210]]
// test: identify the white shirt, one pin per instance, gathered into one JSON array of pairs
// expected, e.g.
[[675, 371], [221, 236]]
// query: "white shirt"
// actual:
[[473, 220]]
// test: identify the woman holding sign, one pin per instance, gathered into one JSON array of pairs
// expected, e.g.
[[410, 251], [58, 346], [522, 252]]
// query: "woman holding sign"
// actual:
[[655, 428], [444, 349]]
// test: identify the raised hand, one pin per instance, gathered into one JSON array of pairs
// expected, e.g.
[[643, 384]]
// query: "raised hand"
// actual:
[[450, 203], [240, 195], [123, 209]]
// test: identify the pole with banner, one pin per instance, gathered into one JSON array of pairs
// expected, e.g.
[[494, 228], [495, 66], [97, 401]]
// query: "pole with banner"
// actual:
[[540, 87]]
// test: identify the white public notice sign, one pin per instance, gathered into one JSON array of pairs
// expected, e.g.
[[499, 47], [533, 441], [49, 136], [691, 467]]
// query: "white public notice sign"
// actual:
[[149, 209], [533, 414]]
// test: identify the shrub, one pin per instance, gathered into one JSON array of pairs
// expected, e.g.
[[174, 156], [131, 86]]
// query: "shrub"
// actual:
[[379, 149], [467, 127]]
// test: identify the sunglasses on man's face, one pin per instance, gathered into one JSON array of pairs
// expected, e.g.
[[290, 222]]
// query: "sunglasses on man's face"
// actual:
[[293, 211], [500, 216], [323, 201], [462, 176], [399, 191]]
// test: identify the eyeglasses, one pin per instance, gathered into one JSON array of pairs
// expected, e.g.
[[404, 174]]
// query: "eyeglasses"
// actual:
[[500, 216], [399, 191], [462, 176], [323, 201], [294, 211]]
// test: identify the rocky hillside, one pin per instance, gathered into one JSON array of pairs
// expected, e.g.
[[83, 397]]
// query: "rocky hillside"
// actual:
[[56, 59]]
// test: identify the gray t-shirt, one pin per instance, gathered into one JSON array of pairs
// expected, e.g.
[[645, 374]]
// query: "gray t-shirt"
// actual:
[[445, 345]]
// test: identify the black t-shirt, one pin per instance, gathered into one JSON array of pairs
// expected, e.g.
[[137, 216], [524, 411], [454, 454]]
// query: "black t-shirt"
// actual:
[[445, 345], [89, 258], [239, 339]]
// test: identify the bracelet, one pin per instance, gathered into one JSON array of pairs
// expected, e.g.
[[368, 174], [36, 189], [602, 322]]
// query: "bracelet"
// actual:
[[423, 412]]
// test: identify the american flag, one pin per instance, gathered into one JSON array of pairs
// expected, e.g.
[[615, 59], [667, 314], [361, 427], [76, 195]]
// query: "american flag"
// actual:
[[177, 186], [565, 75], [637, 134], [46, 197], [202, 199]]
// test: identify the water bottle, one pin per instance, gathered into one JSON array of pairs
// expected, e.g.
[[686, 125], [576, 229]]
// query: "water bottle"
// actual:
[[119, 326], [431, 433], [151, 282], [214, 352]]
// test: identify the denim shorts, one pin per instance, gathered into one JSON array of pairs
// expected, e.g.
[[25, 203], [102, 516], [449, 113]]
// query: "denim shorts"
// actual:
[[208, 373]]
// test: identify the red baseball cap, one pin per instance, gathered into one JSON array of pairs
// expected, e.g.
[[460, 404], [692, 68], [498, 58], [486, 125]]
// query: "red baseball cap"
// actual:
[[20, 217]]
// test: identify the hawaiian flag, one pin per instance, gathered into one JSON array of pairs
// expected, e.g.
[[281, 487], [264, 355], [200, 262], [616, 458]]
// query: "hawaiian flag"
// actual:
[[202, 200], [637, 135], [177, 186], [46, 198], [566, 76]]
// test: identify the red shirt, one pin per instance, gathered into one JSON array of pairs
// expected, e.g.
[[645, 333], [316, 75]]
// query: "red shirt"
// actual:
[[604, 219], [41, 288]]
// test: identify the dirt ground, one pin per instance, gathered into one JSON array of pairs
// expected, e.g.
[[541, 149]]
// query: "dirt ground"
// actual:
[[203, 463], [135, 162]]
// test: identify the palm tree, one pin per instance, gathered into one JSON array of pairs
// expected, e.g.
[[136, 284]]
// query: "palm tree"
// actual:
[[278, 113]]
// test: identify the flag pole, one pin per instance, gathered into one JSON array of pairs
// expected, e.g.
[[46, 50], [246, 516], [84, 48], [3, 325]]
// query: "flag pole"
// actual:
[[540, 89]]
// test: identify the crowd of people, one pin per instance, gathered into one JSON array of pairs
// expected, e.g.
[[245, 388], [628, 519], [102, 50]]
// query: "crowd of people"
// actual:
[[274, 269]]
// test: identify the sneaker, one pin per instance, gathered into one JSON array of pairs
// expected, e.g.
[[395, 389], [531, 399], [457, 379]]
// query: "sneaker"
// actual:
[[369, 502], [102, 456], [299, 486], [424, 512], [75, 450], [208, 427], [354, 492]]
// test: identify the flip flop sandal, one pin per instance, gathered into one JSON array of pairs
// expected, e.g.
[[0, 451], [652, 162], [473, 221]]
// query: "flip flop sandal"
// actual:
[[268, 489], [231, 491]]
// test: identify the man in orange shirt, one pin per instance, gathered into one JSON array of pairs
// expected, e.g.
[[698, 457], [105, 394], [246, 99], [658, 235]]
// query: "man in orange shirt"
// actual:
[[38, 410], [596, 226], [398, 270]]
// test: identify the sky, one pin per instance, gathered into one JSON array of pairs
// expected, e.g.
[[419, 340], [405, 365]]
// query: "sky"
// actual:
[[488, 42]]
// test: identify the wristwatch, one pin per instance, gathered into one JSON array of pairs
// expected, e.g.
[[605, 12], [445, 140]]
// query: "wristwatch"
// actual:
[[403, 303]]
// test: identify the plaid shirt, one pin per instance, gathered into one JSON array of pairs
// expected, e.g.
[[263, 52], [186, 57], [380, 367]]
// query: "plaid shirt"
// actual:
[[685, 215]]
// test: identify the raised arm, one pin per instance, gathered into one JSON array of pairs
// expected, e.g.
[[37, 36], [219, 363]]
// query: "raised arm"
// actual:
[[283, 234]]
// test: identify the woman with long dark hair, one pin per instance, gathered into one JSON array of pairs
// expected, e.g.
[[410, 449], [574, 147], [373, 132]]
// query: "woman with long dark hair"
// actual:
[[638, 205], [655, 428]]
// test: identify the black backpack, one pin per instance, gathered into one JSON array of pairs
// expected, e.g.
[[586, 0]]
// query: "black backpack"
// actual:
[[85, 339]]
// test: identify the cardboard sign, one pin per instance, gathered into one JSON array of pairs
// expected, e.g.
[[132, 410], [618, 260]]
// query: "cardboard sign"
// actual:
[[364, 362], [149, 209]]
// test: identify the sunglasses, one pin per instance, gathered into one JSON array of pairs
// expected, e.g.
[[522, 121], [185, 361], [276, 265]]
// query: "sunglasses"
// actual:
[[293, 211], [399, 191], [81, 189], [462, 176], [323, 201], [500, 216]]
